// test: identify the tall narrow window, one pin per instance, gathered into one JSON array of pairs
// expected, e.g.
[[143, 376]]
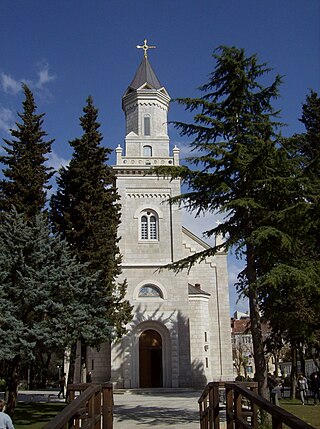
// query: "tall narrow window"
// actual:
[[146, 124], [153, 228], [147, 151], [149, 226], [144, 228]]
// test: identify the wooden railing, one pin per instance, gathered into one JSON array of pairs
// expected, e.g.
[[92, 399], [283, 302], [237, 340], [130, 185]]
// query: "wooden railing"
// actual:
[[92, 408], [244, 408]]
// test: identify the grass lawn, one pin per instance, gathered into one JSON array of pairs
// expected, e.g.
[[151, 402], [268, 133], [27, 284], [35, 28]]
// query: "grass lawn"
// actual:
[[34, 415], [308, 412]]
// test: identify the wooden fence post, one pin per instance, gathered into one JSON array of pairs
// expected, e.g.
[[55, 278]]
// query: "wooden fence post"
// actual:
[[229, 407], [107, 406], [214, 403]]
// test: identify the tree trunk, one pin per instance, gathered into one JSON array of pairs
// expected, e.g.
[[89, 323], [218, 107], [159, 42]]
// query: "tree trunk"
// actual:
[[302, 360], [45, 370], [276, 363], [12, 384], [72, 360], [258, 347], [294, 368]]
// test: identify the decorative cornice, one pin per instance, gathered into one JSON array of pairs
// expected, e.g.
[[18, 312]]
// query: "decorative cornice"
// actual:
[[136, 103], [148, 195]]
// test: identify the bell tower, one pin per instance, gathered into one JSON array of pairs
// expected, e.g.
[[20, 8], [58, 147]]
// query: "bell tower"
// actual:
[[146, 104]]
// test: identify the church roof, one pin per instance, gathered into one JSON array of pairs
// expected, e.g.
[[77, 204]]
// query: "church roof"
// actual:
[[145, 75], [196, 290]]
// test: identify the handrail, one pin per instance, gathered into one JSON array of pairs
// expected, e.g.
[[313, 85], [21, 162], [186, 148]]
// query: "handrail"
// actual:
[[93, 406], [238, 415]]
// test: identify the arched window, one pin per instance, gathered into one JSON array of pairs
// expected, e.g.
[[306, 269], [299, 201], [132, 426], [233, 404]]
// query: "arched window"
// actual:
[[144, 228], [150, 291], [153, 228], [149, 226], [147, 151], [146, 126]]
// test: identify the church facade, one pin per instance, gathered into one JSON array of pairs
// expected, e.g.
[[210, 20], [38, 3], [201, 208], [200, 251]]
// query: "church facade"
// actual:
[[180, 334]]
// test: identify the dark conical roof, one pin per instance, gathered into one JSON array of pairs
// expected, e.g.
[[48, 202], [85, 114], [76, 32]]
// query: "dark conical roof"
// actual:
[[145, 75]]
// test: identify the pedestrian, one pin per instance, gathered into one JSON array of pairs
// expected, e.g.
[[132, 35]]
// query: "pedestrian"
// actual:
[[62, 383], [272, 383], [89, 377], [302, 387], [315, 386], [5, 420]]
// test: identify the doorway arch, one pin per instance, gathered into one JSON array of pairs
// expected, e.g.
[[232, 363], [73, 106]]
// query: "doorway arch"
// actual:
[[150, 359]]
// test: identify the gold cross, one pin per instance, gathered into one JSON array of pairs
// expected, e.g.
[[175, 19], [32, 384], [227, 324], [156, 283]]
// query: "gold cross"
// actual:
[[145, 47]]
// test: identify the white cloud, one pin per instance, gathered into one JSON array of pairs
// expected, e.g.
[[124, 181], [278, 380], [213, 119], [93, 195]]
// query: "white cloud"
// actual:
[[185, 149], [6, 119], [198, 225], [9, 84], [44, 75], [56, 162]]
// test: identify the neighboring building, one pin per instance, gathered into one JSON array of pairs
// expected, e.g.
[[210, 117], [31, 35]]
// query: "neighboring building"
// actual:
[[242, 346], [180, 332], [310, 367]]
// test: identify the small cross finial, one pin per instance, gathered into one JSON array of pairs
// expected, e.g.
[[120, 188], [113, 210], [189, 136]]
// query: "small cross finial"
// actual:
[[145, 48]]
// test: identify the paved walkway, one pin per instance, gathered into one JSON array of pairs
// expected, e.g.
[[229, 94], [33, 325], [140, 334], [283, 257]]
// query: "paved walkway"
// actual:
[[143, 409], [159, 409]]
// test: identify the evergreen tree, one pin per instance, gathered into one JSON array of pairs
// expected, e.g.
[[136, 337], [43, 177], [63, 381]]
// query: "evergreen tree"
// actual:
[[47, 298], [291, 285], [87, 213], [234, 132], [26, 175]]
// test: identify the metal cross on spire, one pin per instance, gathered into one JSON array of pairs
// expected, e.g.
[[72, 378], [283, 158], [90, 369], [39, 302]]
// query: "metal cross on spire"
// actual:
[[145, 48]]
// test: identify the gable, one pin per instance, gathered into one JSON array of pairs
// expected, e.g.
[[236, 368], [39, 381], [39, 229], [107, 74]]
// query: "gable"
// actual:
[[192, 243]]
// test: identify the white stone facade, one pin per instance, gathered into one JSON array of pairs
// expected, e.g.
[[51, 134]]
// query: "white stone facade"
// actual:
[[180, 333]]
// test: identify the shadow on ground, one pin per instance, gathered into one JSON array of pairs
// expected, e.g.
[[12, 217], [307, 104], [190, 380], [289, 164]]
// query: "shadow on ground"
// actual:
[[32, 414], [155, 415]]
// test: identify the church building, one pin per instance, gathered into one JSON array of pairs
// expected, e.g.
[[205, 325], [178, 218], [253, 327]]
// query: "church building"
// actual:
[[180, 333]]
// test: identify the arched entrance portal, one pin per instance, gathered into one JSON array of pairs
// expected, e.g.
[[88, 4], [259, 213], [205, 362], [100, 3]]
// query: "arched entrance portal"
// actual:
[[150, 359]]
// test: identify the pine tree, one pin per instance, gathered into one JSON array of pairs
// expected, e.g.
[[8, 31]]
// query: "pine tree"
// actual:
[[87, 213], [26, 175], [235, 136], [291, 285], [47, 298]]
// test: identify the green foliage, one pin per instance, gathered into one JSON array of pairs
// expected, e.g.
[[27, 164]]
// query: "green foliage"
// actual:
[[25, 171], [232, 133], [238, 168], [86, 212], [45, 294], [268, 189], [290, 286], [48, 300]]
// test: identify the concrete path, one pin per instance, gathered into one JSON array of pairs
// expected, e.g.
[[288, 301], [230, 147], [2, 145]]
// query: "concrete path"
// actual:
[[143, 409], [159, 409]]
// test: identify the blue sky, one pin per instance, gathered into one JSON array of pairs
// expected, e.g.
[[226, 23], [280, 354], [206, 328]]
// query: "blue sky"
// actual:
[[67, 49]]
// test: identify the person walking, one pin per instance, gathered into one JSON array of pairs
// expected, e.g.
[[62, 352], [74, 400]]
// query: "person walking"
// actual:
[[62, 383], [302, 387], [315, 387], [5, 420]]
